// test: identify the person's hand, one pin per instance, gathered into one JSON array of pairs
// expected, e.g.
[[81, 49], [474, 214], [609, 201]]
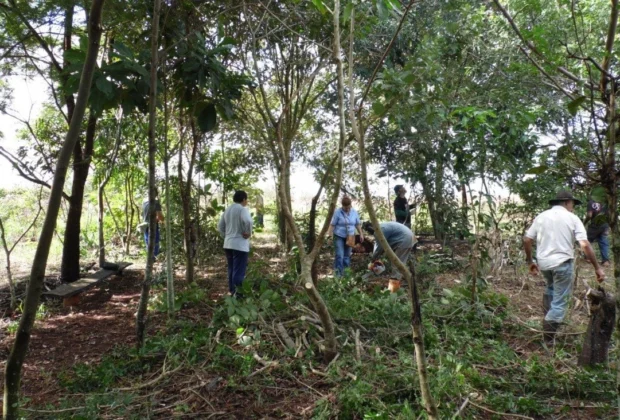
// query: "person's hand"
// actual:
[[245, 235], [534, 271], [600, 274], [361, 238]]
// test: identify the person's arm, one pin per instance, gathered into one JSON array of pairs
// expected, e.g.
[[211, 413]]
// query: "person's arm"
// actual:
[[528, 246], [246, 223], [587, 249], [359, 229]]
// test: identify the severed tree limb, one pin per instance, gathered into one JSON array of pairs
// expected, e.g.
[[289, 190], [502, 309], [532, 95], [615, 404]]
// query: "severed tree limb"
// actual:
[[285, 336]]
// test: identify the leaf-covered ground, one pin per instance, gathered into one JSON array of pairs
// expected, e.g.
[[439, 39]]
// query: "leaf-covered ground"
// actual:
[[220, 358]]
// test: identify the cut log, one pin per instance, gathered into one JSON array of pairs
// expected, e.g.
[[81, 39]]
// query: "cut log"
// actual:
[[602, 319]]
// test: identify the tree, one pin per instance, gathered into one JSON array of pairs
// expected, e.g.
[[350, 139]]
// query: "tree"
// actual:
[[141, 316], [33, 292], [572, 47]]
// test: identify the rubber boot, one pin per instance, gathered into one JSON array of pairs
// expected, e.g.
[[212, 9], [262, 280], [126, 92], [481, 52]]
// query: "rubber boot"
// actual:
[[549, 330], [546, 303]]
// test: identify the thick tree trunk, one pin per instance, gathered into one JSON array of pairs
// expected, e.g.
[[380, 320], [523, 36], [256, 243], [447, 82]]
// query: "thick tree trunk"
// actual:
[[22, 339], [70, 265], [141, 316]]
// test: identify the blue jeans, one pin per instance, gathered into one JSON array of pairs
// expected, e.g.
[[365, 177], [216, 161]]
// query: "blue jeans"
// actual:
[[146, 240], [603, 242], [342, 259], [560, 287], [237, 264]]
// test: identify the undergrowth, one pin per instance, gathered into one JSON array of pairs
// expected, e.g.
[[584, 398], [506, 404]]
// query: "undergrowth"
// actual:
[[474, 353]]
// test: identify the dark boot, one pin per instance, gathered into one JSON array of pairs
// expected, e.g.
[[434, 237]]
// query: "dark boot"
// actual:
[[549, 330], [546, 303]]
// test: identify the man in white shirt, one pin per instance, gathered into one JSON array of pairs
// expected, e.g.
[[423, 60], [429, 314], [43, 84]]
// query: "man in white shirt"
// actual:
[[235, 226], [555, 232]]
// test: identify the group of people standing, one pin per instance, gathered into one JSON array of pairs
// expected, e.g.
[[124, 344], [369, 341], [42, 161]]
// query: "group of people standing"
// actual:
[[235, 226], [554, 232], [346, 222]]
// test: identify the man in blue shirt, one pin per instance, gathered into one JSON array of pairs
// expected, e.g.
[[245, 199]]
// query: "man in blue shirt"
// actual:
[[401, 241], [235, 226]]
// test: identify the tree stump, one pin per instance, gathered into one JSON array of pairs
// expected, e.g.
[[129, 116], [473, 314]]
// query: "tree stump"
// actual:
[[602, 318]]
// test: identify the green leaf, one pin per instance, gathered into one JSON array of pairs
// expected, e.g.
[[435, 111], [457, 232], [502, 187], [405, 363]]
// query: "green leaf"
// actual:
[[573, 106], [122, 50], [347, 11], [320, 6], [378, 108], [105, 86], [408, 77], [537, 170], [395, 4], [207, 118], [599, 194]]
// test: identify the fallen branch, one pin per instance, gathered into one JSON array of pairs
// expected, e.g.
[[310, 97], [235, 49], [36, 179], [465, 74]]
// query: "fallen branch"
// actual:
[[358, 346], [63, 410], [153, 381], [488, 410], [285, 336], [461, 408]]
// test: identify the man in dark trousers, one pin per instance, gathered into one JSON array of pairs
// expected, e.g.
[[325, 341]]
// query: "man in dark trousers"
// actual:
[[598, 229], [400, 239], [402, 209], [555, 232], [235, 226]]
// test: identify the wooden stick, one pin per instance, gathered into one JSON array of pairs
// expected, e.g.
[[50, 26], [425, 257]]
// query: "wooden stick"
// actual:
[[358, 346], [488, 410], [285, 336], [461, 408]]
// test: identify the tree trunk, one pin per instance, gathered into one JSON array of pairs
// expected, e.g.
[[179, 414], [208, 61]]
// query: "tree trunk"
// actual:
[[464, 209], [169, 273], [416, 314], [186, 196], [100, 196], [22, 339], [9, 274], [141, 316], [70, 265]]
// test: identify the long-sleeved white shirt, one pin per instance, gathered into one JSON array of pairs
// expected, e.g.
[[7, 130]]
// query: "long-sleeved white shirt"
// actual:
[[236, 221]]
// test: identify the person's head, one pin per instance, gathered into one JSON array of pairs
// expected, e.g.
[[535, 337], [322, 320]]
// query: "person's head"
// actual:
[[565, 199], [400, 190], [241, 197], [346, 203], [367, 226]]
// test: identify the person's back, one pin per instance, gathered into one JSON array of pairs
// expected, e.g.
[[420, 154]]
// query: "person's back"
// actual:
[[236, 221], [397, 234], [555, 230], [235, 226]]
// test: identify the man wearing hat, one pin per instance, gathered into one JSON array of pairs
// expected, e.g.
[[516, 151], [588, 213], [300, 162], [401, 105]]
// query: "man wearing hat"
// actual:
[[402, 209], [555, 232]]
